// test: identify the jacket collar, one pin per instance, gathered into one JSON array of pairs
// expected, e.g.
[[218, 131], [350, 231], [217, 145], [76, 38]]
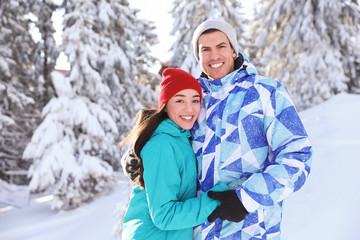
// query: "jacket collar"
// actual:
[[169, 127]]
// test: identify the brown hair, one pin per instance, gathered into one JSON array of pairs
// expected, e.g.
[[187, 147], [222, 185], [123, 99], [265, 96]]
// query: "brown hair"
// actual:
[[147, 122]]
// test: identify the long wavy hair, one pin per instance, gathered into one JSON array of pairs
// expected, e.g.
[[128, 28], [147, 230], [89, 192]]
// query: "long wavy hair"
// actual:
[[147, 122]]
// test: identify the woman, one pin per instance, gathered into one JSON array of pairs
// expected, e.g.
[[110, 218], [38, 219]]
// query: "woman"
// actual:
[[163, 203]]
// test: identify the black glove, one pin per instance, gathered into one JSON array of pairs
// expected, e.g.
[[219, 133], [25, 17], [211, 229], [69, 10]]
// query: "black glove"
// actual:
[[130, 165], [230, 209]]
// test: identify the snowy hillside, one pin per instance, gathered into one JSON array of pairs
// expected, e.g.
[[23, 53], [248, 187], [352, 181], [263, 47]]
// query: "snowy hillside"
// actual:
[[327, 207]]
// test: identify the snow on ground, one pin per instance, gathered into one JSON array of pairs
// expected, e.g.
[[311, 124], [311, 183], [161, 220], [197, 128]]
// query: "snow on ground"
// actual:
[[327, 207], [92, 221]]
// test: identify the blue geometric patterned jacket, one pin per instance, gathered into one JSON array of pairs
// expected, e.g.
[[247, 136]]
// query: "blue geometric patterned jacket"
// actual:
[[249, 136]]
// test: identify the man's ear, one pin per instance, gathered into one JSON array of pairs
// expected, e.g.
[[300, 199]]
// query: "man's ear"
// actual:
[[234, 54]]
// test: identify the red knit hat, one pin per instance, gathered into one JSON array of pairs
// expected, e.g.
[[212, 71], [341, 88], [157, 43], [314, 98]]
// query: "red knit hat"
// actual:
[[175, 80]]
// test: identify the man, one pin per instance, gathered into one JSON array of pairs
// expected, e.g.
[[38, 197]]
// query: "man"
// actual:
[[248, 135]]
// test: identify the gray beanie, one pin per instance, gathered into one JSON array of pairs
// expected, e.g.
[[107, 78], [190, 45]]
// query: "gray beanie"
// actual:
[[214, 24]]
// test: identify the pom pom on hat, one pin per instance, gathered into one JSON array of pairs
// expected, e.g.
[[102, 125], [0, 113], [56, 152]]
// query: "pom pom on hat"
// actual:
[[175, 80]]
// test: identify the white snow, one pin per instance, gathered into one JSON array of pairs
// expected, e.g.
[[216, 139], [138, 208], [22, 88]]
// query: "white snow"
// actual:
[[94, 220], [327, 207]]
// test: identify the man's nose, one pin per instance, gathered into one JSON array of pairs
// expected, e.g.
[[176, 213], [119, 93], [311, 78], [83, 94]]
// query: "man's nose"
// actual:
[[214, 54]]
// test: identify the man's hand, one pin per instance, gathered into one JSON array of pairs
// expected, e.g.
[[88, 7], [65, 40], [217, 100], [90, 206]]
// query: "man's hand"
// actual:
[[130, 165], [231, 208]]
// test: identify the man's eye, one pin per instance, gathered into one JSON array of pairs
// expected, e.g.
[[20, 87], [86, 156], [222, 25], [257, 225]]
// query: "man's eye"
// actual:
[[196, 101]]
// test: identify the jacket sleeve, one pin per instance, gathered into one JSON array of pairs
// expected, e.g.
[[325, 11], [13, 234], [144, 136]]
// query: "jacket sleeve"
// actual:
[[162, 184], [290, 154]]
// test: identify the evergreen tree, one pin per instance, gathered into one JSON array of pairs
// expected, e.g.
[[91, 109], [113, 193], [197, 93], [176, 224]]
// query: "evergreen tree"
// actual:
[[125, 60], [74, 148], [47, 51], [18, 115], [188, 15], [310, 46], [347, 36]]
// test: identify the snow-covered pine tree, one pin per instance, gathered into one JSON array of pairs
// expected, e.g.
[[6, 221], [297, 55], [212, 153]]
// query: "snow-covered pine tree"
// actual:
[[18, 115], [188, 14], [124, 63], [310, 46], [348, 37], [74, 148], [47, 51]]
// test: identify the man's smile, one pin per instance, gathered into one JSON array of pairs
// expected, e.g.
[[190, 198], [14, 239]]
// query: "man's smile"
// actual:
[[216, 65]]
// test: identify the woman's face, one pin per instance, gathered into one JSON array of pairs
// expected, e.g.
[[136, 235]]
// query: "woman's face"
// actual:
[[183, 108]]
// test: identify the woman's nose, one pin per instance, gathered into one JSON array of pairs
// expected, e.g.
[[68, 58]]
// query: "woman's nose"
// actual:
[[189, 107]]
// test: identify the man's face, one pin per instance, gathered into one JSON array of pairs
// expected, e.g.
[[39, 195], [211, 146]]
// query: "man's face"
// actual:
[[216, 56]]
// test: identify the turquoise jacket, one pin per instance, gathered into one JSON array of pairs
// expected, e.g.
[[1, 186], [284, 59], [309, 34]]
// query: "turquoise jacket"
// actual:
[[168, 207]]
